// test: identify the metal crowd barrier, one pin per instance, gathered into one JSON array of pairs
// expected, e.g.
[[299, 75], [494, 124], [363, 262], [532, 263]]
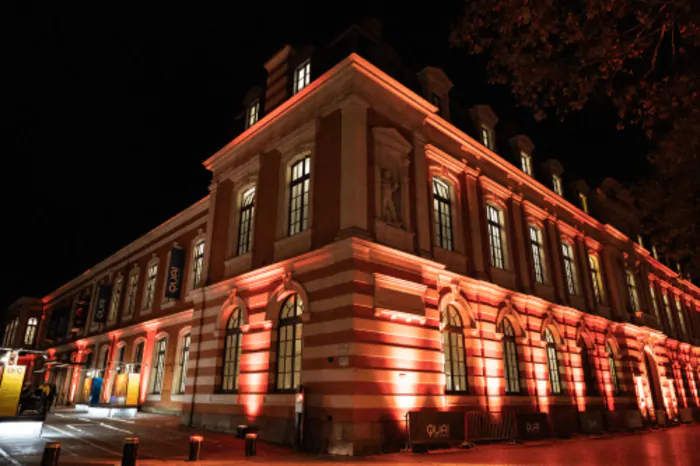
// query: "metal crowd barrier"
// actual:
[[483, 426]]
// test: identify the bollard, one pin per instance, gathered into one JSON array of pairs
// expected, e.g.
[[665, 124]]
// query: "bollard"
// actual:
[[131, 451], [241, 430], [251, 447], [195, 447], [51, 452]]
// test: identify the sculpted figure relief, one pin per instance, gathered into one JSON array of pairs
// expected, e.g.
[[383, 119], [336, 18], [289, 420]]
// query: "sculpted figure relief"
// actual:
[[389, 187]]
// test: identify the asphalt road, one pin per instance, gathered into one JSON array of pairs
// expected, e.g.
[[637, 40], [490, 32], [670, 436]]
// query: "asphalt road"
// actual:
[[92, 441]]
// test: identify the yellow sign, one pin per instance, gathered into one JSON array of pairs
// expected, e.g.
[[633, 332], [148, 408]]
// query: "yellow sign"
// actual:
[[12, 380], [87, 387], [132, 390], [120, 387]]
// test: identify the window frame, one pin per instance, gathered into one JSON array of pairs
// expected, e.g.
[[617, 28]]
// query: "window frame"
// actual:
[[555, 385], [442, 210], [612, 367], [632, 294], [184, 355], [115, 300], [233, 337], [538, 253], [197, 268], [681, 317], [454, 351], [584, 202], [493, 227], [302, 76], [149, 294], [252, 113], [158, 368], [526, 163], [296, 324], [596, 279], [247, 211], [510, 358], [131, 294], [487, 138], [589, 373], [569, 259], [33, 325], [557, 185], [303, 181], [669, 313]]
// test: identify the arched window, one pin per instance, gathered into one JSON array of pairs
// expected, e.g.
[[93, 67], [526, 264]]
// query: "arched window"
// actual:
[[232, 352], [613, 369], [511, 372], [537, 253], [588, 371], [289, 344], [552, 363], [596, 278], [442, 210], [138, 357], [159, 365], [184, 358], [453, 350], [30, 334], [685, 377]]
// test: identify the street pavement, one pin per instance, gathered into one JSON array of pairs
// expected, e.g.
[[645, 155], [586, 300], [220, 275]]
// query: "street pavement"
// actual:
[[98, 441]]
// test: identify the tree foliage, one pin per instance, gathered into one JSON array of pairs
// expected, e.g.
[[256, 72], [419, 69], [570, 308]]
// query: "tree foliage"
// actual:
[[643, 55]]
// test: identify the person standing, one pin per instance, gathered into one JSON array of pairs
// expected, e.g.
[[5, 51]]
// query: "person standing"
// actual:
[[46, 390], [51, 396]]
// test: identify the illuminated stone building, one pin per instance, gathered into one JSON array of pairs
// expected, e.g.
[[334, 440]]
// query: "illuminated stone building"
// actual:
[[362, 240]]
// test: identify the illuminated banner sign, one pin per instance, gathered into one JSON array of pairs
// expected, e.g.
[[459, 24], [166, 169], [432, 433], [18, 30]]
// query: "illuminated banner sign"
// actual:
[[12, 381], [173, 283], [103, 293], [81, 311], [436, 427]]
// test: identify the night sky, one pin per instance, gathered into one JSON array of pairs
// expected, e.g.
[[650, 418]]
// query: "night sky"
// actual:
[[113, 111]]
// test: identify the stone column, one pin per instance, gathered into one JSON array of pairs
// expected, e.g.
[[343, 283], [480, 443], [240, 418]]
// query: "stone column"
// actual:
[[475, 223], [556, 261], [211, 216], [584, 272], [353, 164], [520, 245]]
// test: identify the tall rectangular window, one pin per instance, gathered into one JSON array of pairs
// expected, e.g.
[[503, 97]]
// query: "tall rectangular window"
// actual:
[[299, 186], [252, 114], [487, 137], [654, 305], [681, 318], [556, 184], [159, 365], [584, 202], [131, 293], [526, 163], [115, 300], [669, 314], [632, 291], [150, 285], [138, 357], [197, 263], [537, 253], [495, 228], [596, 279], [30, 333], [569, 267], [302, 76], [442, 206], [184, 357], [245, 221]]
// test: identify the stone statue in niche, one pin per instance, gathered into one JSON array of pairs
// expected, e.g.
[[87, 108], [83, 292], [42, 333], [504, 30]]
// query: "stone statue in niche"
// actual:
[[389, 189]]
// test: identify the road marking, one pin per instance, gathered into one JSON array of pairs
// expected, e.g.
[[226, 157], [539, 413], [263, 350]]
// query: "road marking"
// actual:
[[122, 420], [115, 428], [84, 419], [7, 456], [100, 447]]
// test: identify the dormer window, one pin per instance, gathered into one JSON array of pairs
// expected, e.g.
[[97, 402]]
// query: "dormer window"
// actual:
[[435, 100], [302, 76], [252, 114], [556, 184], [487, 137], [584, 202], [526, 163]]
